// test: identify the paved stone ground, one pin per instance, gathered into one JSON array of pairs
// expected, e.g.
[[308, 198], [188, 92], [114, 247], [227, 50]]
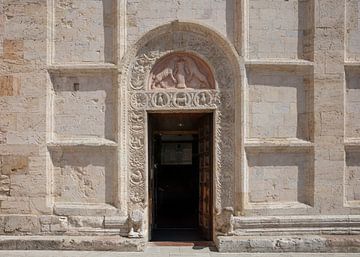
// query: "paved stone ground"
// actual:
[[165, 252]]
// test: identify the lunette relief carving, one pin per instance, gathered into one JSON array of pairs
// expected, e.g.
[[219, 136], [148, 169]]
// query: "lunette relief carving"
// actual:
[[181, 71]]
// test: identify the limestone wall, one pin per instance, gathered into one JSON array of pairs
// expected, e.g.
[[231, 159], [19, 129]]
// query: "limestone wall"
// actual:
[[66, 76]]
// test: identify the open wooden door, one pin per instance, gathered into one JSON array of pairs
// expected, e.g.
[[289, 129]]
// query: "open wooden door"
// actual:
[[205, 176]]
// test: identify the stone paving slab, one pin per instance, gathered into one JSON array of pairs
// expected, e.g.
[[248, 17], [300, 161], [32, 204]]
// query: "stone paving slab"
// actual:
[[164, 252]]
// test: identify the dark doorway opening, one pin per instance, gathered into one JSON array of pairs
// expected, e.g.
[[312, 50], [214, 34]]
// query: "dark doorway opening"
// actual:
[[180, 184]]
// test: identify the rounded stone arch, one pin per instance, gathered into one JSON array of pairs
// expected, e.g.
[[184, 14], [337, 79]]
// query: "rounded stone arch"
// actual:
[[224, 100]]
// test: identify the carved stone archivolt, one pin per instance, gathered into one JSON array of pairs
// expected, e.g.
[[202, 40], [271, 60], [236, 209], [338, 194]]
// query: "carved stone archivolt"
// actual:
[[172, 72]]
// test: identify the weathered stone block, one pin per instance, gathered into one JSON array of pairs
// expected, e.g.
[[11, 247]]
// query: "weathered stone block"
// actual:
[[59, 224], [17, 205], [13, 49], [4, 184], [13, 164], [115, 221], [84, 176], [279, 30], [87, 221], [74, 209], [27, 185], [21, 223], [89, 99], [9, 86], [73, 43], [278, 104], [352, 30], [52, 223], [2, 137], [40, 204], [280, 177], [86, 243]]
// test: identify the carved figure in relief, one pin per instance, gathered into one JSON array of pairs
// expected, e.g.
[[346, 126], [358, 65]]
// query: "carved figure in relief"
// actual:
[[181, 99], [160, 100], [158, 79], [181, 71], [136, 177], [194, 72], [202, 99], [136, 143], [136, 117]]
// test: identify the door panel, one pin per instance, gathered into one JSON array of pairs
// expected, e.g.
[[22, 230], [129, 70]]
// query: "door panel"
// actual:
[[205, 176]]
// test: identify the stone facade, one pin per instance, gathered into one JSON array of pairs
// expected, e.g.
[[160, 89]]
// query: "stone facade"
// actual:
[[281, 77]]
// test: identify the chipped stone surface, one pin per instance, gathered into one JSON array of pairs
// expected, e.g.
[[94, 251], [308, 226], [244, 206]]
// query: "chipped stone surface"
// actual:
[[103, 243], [21, 224], [279, 177], [288, 244], [14, 164], [83, 176]]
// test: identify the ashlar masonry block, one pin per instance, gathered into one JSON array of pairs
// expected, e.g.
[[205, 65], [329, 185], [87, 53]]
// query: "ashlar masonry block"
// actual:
[[84, 31], [280, 29], [83, 106], [280, 177], [278, 104], [145, 15], [9, 85], [83, 175]]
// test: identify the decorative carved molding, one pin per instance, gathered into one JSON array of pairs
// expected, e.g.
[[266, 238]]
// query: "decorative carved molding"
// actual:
[[154, 100]]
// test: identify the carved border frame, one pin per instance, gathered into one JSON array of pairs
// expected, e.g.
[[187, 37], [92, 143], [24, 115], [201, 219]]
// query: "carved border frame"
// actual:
[[136, 100]]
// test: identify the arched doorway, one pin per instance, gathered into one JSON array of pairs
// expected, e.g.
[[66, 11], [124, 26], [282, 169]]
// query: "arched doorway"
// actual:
[[179, 68]]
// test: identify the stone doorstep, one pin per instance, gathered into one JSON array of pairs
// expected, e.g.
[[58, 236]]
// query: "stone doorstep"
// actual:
[[302, 243], [235, 244], [88, 243]]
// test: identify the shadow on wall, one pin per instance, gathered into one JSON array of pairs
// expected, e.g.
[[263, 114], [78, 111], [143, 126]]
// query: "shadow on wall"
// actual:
[[230, 16], [109, 8]]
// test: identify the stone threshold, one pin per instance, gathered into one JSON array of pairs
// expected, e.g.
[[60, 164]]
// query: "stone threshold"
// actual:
[[181, 243], [277, 244], [88, 243]]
